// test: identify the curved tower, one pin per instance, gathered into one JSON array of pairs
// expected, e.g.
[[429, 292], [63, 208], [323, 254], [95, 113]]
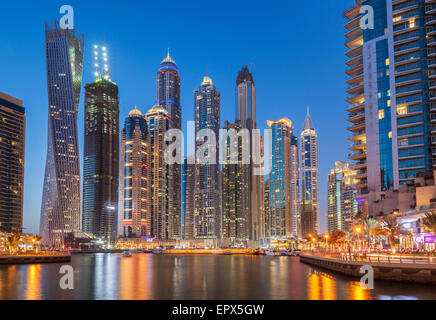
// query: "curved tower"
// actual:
[[60, 208]]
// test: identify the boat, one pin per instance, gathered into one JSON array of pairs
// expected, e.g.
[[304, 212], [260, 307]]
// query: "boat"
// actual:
[[158, 251], [271, 252], [127, 254]]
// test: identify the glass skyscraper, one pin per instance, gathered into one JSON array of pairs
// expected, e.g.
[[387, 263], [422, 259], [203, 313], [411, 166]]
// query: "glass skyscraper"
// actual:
[[389, 69], [12, 146], [207, 189], [309, 179], [283, 211], [101, 156], [246, 117], [168, 96], [60, 209]]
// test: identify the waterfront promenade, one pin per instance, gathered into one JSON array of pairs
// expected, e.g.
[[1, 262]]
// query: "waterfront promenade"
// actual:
[[392, 267], [35, 258]]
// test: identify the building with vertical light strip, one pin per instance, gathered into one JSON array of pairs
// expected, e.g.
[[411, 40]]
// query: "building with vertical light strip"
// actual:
[[135, 196], [342, 206], [12, 146], [389, 95], [246, 117], [309, 214], [60, 208], [158, 123], [168, 96], [207, 222], [101, 155], [283, 212]]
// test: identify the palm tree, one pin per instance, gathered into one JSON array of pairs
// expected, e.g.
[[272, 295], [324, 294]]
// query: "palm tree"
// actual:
[[13, 242], [371, 227], [429, 222], [391, 228]]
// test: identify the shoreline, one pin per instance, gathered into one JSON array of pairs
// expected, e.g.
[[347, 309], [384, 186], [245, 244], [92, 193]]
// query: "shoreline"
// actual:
[[404, 272], [34, 259]]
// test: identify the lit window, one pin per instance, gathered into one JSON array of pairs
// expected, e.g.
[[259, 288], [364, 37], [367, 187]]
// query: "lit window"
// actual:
[[390, 134], [381, 114], [412, 23], [389, 103], [401, 110], [387, 61]]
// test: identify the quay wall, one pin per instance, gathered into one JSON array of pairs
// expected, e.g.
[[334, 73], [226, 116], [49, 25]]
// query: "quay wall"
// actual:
[[34, 259], [402, 272]]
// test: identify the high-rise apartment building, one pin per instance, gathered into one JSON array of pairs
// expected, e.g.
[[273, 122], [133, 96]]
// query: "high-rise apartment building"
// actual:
[[12, 148], [168, 96], [283, 188], [207, 221], [60, 208], [309, 179], [135, 197], [101, 156], [235, 188], [158, 122], [246, 117], [188, 197], [342, 206], [390, 93]]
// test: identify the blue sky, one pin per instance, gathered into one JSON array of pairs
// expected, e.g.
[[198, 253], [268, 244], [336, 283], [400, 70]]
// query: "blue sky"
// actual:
[[296, 50]]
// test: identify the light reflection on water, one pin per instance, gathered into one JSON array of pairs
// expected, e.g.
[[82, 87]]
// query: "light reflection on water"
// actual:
[[146, 277]]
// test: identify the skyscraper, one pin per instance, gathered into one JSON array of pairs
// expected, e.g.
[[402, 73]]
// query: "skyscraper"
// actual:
[[60, 208], [235, 189], [390, 73], [135, 195], [188, 197], [12, 146], [101, 156], [246, 117], [207, 189], [284, 181], [158, 122], [341, 198], [309, 179], [168, 96]]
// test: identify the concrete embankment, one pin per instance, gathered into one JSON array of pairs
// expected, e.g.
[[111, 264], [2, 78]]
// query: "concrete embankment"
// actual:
[[403, 272], [35, 259]]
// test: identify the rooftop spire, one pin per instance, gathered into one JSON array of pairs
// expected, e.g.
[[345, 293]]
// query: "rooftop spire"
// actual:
[[308, 123]]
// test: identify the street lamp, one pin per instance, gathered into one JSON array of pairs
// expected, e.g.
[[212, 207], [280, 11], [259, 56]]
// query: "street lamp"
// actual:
[[358, 230], [327, 240]]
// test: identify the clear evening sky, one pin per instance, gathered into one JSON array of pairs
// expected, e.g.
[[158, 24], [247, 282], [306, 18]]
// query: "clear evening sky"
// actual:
[[296, 49]]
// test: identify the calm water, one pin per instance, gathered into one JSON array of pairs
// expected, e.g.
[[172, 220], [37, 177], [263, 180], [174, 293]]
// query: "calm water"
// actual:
[[146, 276]]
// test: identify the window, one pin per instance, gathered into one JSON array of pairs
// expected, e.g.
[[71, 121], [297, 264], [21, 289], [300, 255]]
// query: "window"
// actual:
[[381, 114]]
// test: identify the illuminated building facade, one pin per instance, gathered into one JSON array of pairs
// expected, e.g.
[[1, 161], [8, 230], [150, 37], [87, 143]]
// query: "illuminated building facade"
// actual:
[[101, 156], [283, 213], [207, 188], [390, 73], [60, 208], [12, 146], [158, 122], [309, 179], [168, 96], [135, 196], [246, 117], [235, 190], [341, 198], [188, 197]]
